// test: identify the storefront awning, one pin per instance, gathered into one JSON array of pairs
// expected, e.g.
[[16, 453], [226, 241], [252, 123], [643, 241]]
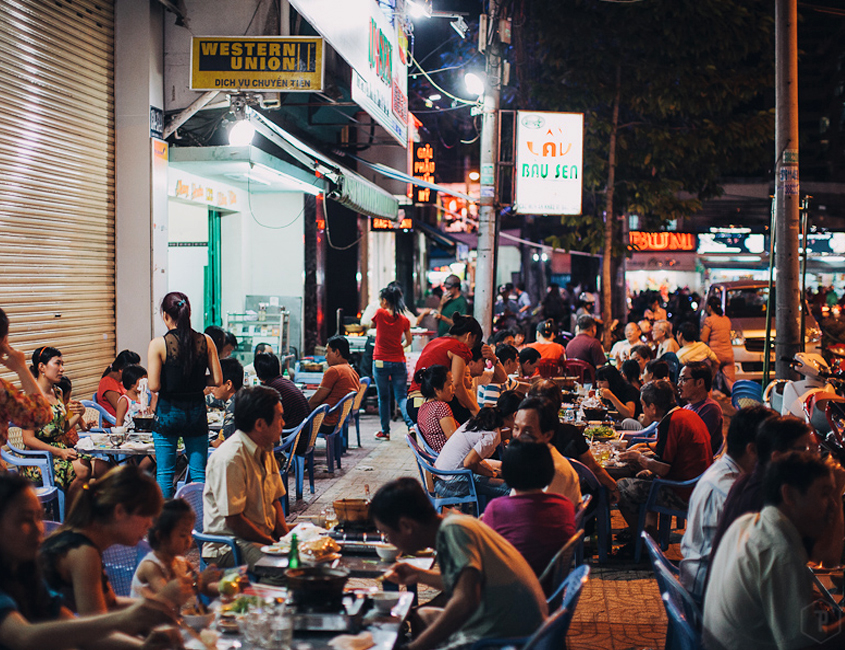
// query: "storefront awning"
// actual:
[[396, 175], [349, 189], [440, 238]]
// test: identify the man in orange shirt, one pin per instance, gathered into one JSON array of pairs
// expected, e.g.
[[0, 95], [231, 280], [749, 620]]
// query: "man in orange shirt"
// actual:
[[338, 381]]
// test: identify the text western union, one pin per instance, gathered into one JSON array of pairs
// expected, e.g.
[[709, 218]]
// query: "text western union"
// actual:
[[288, 57]]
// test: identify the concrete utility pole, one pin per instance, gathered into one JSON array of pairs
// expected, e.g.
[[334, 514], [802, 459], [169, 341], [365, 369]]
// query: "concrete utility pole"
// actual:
[[485, 270], [787, 199]]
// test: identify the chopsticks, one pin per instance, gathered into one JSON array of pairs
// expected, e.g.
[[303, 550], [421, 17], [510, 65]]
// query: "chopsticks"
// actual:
[[192, 632]]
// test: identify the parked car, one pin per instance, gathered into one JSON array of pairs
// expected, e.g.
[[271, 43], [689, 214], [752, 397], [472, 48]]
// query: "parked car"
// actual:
[[745, 302]]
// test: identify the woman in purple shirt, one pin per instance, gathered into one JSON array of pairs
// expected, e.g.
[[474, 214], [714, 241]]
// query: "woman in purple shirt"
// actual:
[[537, 523]]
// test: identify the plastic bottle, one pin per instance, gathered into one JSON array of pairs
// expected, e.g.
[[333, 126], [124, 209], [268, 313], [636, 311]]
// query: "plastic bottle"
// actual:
[[293, 554]]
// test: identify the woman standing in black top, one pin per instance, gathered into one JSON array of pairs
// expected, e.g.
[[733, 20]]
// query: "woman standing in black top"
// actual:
[[177, 365]]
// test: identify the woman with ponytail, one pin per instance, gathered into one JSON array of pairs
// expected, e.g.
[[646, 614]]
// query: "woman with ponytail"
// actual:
[[436, 422], [177, 366], [110, 388], [116, 509], [389, 369], [454, 351], [31, 616]]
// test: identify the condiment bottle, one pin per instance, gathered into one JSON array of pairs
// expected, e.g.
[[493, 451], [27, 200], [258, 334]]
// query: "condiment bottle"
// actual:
[[293, 554]]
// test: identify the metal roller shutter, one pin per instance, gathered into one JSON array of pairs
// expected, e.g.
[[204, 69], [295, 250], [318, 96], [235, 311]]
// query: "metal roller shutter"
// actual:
[[57, 181]]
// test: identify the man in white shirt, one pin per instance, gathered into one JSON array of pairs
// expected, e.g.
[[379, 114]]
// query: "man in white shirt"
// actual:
[[621, 350], [536, 421], [243, 485], [708, 497], [760, 593]]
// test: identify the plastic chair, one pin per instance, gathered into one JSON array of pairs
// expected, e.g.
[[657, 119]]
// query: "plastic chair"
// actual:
[[551, 635], [678, 637], [665, 513], [356, 410], [584, 371], [48, 493], [120, 563], [683, 635], [94, 411], [548, 368], [311, 428], [422, 442], [746, 393], [674, 365], [581, 509], [649, 434], [427, 473], [558, 569], [773, 394], [601, 514], [288, 446], [334, 443], [192, 493]]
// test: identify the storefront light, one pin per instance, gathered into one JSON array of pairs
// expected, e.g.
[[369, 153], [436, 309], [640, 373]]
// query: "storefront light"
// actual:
[[241, 134]]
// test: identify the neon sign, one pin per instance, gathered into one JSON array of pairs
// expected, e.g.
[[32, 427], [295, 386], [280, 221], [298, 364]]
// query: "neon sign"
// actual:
[[662, 241]]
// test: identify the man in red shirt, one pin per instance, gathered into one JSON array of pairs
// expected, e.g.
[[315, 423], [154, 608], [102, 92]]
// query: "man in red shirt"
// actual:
[[338, 381], [682, 452]]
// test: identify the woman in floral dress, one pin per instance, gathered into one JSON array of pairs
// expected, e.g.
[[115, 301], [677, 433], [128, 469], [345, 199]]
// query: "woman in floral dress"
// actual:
[[27, 407], [71, 469]]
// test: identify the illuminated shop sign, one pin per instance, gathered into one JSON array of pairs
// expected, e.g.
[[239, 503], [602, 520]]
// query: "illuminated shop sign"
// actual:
[[286, 64], [732, 242], [381, 225], [662, 241], [549, 163], [422, 167]]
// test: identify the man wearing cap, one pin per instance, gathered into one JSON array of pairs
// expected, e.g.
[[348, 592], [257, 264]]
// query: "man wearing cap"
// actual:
[[452, 302]]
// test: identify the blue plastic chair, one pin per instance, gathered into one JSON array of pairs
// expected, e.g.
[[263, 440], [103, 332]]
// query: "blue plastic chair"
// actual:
[[665, 514], [558, 569], [192, 493], [287, 447], [356, 410], [551, 635], [120, 563], [104, 418], [49, 494], [601, 514], [657, 557], [648, 434], [746, 393], [421, 441], [427, 471], [334, 442], [311, 429], [685, 623]]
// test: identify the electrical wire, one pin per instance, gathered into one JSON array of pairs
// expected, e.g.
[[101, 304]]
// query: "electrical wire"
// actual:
[[443, 90], [329, 235], [249, 205]]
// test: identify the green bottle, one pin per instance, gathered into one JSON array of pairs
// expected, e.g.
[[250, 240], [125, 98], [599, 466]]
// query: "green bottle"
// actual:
[[293, 554]]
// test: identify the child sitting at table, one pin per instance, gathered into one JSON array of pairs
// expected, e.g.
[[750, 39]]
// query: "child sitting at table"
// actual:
[[129, 404], [170, 538]]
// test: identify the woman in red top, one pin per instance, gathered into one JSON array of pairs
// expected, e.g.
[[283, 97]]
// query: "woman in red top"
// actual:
[[453, 351], [389, 367], [110, 388]]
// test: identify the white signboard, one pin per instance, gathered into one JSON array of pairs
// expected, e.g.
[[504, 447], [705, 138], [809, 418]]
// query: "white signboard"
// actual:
[[369, 41], [549, 163]]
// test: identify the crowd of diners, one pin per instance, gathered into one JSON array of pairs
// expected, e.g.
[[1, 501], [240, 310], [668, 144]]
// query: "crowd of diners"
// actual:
[[764, 505]]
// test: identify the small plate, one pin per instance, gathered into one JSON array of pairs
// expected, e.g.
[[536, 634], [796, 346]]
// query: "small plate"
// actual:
[[326, 558], [275, 550]]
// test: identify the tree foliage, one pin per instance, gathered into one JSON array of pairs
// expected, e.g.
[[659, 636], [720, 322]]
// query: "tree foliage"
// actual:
[[696, 85]]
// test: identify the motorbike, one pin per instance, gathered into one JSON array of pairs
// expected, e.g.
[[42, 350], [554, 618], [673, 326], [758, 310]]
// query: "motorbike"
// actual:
[[817, 398]]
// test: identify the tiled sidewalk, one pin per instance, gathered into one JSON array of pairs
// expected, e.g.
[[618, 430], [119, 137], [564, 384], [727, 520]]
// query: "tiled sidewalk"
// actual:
[[620, 607]]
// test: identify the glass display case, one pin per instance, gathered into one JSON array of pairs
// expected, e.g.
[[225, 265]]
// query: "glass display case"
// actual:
[[263, 327]]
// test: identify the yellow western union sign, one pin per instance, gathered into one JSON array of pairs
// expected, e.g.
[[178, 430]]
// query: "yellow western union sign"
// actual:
[[276, 63]]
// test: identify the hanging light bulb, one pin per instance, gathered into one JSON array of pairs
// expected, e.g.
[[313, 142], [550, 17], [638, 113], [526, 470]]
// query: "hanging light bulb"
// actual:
[[240, 135], [474, 84]]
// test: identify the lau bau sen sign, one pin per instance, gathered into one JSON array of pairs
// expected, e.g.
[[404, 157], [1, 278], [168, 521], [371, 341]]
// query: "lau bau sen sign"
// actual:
[[549, 163], [279, 64]]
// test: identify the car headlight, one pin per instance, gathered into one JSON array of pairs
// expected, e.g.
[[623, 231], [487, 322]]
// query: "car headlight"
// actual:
[[737, 337], [813, 334]]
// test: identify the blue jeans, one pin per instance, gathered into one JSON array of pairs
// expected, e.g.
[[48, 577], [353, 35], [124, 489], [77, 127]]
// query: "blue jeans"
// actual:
[[395, 374], [196, 447]]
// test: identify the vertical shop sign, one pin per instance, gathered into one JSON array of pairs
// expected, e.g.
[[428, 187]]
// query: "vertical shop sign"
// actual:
[[549, 163], [422, 167]]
